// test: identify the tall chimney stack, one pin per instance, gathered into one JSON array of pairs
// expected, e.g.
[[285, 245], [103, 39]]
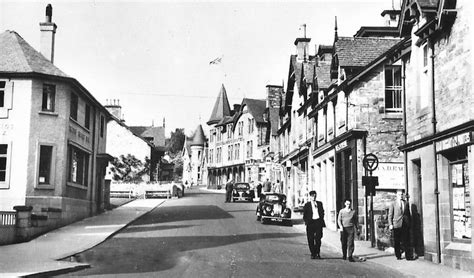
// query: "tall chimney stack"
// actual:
[[48, 30]]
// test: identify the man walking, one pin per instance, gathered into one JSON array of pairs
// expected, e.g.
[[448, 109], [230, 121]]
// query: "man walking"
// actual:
[[399, 223], [313, 216], [228, 191], [267, 186]]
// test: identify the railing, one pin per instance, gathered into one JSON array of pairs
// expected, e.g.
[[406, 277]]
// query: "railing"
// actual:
[[7, 218]]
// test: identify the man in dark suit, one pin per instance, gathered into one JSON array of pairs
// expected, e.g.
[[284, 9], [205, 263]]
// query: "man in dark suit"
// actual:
[[399, 223], [228, 191], [313, 216]]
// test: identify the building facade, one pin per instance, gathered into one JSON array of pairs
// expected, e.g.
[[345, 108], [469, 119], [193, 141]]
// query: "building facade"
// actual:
[[194, 159], [437, 63], [53, 138]]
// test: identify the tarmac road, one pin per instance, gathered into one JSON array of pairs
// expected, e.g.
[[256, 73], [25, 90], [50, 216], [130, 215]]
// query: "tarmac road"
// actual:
[[201, 236]]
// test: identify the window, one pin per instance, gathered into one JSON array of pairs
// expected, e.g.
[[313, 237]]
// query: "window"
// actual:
[[219, 134], [45, 162], [249, 149], [240, 127], [102, 126], [237, 151], [393, 89], [49, 96], [212, 132], [229, 131], [2, 93], [87, 120], [230, 152], [425, 78], [78, 166], [74, 106], [460, 192], [3, 163]]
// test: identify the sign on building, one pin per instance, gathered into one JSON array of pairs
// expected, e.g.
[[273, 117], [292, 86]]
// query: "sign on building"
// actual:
[[391, 175]]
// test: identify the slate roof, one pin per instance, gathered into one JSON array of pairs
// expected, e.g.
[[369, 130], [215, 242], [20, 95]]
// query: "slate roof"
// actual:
[[360, 51], [221, 107], [17, 56], [198, 139], [323, 75], [256, 108], [157, 132]]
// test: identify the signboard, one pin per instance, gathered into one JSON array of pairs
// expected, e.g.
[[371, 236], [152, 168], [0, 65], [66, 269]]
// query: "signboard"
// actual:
[[370, 162], [391, 175], [454, 141]]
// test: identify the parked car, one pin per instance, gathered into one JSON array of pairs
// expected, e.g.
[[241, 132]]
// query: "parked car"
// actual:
[[272, 208], [242, 192]]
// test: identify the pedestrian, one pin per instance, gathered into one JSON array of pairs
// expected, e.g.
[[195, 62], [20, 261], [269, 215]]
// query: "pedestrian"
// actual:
[[399, 223], [228, 191], [259, 190], [278, 187], [267, 186], [313, 216], [348, 226]]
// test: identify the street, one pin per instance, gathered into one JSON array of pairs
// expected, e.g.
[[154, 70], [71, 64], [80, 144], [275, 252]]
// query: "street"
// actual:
[[201, 236]]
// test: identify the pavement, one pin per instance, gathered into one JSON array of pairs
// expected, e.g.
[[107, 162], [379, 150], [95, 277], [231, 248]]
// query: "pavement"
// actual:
[[45, 255]]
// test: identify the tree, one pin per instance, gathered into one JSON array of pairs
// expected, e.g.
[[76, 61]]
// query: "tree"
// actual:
[[175, 144], [129, 168]]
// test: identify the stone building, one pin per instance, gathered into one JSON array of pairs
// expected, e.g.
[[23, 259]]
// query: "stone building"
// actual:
[[238, 141], [439, 114], [53, 132], [194, 158]]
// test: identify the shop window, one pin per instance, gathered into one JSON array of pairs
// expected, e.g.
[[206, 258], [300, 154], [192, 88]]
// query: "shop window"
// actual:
[[49, 98], [78, 166], [460, 192], [393, 89], [45, 163]]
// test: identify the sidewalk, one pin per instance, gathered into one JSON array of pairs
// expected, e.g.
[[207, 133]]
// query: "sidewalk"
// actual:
[[42, 255], [364, 252]]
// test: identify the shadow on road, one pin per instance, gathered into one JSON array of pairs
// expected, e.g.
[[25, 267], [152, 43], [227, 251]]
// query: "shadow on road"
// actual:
[[126, 255], [151, 227], [183, 213]]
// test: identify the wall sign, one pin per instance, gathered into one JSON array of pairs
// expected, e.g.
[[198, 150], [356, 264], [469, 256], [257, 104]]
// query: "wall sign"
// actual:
[[454, 141], [391, 175]]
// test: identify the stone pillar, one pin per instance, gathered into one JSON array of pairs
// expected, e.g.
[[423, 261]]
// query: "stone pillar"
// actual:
[[23, 222]]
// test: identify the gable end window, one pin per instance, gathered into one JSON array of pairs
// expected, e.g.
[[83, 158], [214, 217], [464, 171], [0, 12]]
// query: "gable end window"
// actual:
[[2, 93], [4, 165], [45, 164]]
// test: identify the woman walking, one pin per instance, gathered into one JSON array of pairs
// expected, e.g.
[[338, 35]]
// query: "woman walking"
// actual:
[[348, 225]]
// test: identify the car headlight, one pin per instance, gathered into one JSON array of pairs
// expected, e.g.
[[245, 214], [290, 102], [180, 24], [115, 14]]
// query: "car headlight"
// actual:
[[268, 208]]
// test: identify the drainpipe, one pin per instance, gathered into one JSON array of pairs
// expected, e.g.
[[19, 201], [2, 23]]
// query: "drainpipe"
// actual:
[[93, 172], [433, 121]]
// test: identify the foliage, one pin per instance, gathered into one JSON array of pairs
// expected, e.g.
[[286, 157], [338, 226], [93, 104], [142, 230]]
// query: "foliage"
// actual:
[[175, 144], [129, 168]]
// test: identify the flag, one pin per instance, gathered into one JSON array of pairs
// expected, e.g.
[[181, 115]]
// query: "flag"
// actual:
[[216, 61]]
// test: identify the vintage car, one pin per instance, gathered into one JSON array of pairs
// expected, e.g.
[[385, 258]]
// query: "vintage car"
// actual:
[[242, 192], [272, 207]]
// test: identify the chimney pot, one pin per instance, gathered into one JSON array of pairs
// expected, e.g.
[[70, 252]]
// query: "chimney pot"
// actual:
[[49, 13]]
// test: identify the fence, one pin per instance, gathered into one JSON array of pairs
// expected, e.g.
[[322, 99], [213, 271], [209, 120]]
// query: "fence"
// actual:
[[7, 218]]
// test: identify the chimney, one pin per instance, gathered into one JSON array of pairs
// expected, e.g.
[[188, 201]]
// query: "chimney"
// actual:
[[274, 93], [113, 106], [48, 30], [236, 109], [391, 17], [302, 46]]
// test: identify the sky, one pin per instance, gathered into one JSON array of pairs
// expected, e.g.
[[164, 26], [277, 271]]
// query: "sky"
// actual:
[[154, 56]]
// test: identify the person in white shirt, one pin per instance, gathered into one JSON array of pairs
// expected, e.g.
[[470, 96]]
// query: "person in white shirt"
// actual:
[[313, 216]]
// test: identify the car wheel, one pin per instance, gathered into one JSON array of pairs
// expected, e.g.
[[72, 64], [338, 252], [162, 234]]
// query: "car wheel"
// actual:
[[264, 221], [258, 217]]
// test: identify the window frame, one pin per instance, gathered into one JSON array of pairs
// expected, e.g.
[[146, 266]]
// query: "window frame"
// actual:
[[451, 189], [74, 107], [395, 90], [84, 183], [44, 106], [6, 183], [52, 168]]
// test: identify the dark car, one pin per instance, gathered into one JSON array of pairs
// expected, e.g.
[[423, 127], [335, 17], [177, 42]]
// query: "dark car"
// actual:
[[272, 207], [242, 192]]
